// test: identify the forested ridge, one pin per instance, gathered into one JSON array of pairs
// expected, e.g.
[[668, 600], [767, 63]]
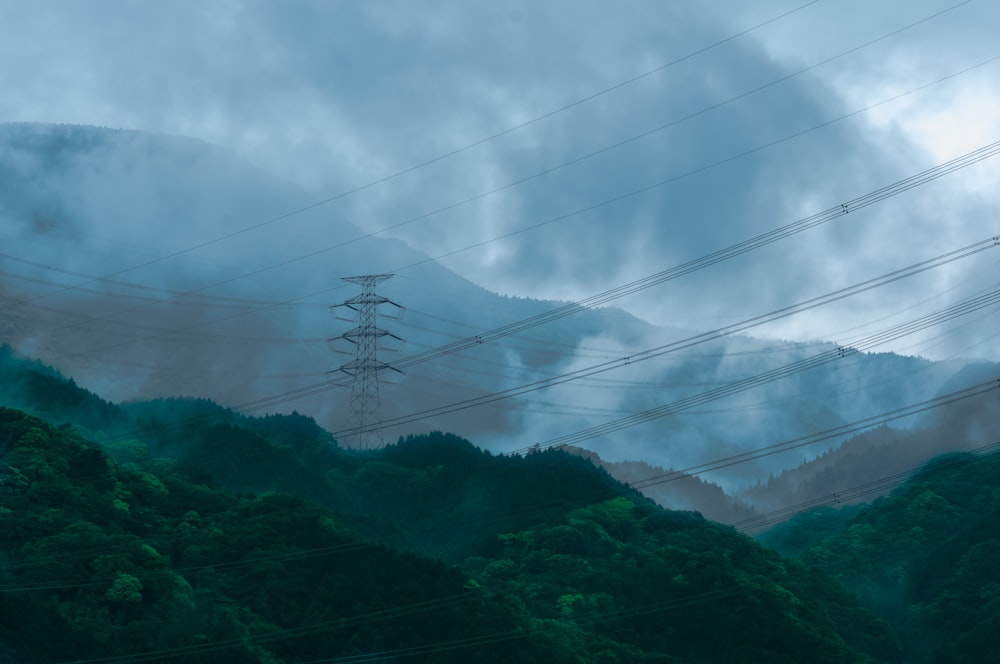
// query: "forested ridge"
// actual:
[[427, 550], [105, 559], [925, 557]]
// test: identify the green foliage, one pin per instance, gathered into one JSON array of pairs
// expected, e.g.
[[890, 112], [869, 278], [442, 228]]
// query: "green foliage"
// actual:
[[805, 530], [634, 583], [125, 589], [925, 558], [127, 451], [188, 563], [218, 528]]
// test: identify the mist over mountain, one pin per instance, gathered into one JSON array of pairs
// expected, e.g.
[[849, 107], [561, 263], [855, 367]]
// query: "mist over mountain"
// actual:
[[854, 471], [677, 490], [150, 266]]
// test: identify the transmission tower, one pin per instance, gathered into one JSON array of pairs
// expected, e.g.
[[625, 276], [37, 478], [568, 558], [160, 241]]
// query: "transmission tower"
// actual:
[[364, 342]]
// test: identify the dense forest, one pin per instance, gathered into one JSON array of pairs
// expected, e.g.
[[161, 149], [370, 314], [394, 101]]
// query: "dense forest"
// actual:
[[926, 557], [180, 531]]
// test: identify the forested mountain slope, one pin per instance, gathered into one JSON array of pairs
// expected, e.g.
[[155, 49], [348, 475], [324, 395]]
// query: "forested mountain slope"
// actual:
[[116, 563], [927, 557], [152, 560], [674, 489]]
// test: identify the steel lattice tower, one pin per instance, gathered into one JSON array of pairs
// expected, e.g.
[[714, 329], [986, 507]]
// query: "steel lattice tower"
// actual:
[[365, 341]]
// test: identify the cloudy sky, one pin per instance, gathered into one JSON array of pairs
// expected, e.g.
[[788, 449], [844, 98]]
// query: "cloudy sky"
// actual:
[[334, 96], [545, 149]]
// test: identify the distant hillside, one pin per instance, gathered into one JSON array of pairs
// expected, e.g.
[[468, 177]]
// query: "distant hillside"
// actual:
[[885, 451], [31, 385], [672, 489], [925, 557]]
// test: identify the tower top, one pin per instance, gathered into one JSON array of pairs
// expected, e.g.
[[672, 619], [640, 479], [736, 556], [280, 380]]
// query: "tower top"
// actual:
[[368, 279]]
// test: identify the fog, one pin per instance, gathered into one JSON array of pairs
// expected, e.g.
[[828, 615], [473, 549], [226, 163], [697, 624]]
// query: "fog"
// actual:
[[132, 276]]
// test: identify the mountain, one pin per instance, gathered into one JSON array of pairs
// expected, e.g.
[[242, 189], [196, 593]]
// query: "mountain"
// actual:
[[673, 489], [150, 266], [401, 493], [151, 560], [924, 557], [858, 466], [112, 562], [101, 285]]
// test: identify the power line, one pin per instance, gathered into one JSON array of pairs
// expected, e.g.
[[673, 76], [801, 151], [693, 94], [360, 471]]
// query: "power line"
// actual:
[[202, 299], [455, 600], [644, 134], [630, 194], [464, 148], [771, 375], [874, 487], [718, 333], [542, 627], [866, 423], [224, 458], [686, 174], [863, 424], [732, 251], [844, 208], [738, 249], [590, 207]]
